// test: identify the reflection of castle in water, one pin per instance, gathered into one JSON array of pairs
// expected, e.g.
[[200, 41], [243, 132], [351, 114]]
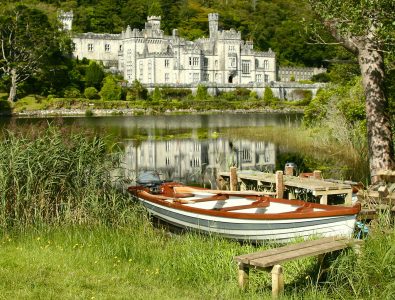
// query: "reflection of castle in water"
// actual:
[[194, 160]]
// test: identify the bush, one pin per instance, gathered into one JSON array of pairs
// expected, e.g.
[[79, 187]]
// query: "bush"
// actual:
[[201, 93], [111, 90], [137, 91], [156, 95], [91, 93], [72, 92], [172, 93], [94, 75]]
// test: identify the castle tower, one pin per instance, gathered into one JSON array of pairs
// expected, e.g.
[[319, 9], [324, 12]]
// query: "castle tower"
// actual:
[[213, 25], [66, 18], [153, 22]]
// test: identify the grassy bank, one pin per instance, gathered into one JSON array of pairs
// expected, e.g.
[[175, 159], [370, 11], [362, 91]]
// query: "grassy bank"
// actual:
[[67, 233], [34, 103]]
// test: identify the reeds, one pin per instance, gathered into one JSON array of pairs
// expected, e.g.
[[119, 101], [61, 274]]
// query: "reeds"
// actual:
[[47, 176]]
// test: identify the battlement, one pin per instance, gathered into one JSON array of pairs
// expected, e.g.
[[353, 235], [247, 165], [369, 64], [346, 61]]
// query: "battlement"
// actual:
[[154, 18], [213, 17], [229, 35], [98, 36], [65, 14]]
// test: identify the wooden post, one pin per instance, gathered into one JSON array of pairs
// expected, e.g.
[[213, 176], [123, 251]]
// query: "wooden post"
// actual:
[[233, 179], [289, 170], [243, 276], [279, 184], [317, 174], [277, 281]]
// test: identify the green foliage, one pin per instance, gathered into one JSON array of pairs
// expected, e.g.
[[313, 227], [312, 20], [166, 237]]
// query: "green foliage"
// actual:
[[137, 91], [72, 92], [155, 9], [321, 77], [94, 75], [48, 176], [111, 90], [172, 93], [156, 94], [201, 92], [91, 93]]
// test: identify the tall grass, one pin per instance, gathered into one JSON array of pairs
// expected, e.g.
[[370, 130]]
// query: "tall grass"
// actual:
[[47, 176]]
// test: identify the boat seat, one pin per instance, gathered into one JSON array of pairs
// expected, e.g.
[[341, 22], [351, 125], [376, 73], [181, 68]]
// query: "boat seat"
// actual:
[[256, 204]]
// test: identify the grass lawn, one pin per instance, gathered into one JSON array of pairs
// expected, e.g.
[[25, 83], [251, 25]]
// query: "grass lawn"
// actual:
[[139, 263]]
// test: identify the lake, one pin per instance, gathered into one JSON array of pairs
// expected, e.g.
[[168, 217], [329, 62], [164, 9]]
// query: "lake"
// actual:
[[189, 148]]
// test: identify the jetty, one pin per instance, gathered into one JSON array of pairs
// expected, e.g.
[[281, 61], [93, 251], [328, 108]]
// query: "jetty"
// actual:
[[278, 184]]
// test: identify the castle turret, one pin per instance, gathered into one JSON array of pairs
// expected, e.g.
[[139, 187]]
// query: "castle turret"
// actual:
[[213, 25], [66, 18], [153, 23]]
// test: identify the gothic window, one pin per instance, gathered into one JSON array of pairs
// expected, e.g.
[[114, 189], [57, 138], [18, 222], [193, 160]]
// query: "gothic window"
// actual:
[[245, 67], [266, 64], [266, 78], [232, 48], [205, 62], [258, 77], [167, 63], [232, 62], [90, 47], [190, 61], [167, 77], [256, 63], [107, 47], [196, 61], [120, 47]]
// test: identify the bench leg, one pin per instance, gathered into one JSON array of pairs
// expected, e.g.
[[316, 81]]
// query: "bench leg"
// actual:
[[277, 281], [243, 276]]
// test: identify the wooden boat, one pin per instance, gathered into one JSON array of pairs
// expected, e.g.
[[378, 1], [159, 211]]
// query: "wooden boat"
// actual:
[[244, 215]]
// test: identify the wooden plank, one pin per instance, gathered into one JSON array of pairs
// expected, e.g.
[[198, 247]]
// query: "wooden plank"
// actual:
[[265, 262], [246, 258], [186, 189]]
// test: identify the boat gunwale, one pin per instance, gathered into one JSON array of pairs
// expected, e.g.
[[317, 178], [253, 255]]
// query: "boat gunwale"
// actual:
[[328, 210]]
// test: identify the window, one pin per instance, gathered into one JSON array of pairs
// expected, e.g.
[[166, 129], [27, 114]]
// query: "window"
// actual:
[[73, 47], [107, 47], [196, 61], [167, 160], [266, 64], [266, 78], [195, 77], [167, 77], [216, 63], [232, 62], [90, 47], [190, 61], [232, 48], [166, 63], [205, 62], [258, 77], [245, 67], [120, 47], [168, 146]]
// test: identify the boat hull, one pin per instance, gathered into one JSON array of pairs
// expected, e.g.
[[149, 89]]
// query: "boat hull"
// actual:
[[254, 230]]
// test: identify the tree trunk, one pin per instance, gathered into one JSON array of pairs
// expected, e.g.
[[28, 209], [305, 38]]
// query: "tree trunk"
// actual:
[[12, 95], [381, 149]]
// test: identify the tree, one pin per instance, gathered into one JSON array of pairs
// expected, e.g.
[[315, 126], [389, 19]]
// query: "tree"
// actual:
[[366, 29], [26, 37], [111, 90], [94, 75]]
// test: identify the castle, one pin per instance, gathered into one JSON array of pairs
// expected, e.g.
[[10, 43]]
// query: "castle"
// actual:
[[152, 57]]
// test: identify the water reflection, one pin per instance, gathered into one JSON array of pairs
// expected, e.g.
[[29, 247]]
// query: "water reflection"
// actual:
[[197, 161], [184, 147]]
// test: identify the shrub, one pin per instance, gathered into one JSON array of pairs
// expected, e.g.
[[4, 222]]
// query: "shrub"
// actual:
[[72, 92], [111, 90], [91, 93], [156, 95], [94, 75], [137, 91], [201, 92], [172, 93]]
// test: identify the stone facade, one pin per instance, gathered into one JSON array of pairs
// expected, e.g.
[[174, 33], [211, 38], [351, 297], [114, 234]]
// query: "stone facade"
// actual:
[[152, 57], [287, 74]]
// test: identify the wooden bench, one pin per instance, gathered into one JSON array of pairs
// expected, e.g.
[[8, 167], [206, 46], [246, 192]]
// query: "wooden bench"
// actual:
[[271, 260]]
